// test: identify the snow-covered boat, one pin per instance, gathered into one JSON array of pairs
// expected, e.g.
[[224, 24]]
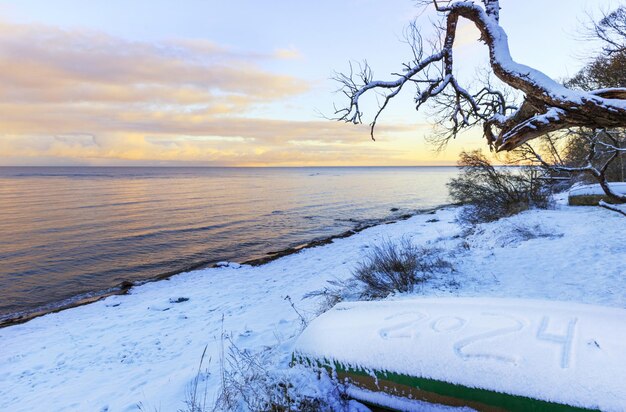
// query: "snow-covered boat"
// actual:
[[487, 354]]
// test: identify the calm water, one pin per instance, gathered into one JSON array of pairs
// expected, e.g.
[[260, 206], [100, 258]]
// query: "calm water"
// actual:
[[71, 231]]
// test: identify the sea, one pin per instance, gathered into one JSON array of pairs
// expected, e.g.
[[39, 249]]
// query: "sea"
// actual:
[[67, 233]]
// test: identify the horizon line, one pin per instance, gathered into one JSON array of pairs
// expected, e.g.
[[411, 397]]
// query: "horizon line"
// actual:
[[233, 167]]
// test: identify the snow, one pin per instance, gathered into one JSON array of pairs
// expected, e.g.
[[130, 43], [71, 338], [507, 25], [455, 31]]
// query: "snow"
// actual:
[[610, 89], [596, 189], [554, 351], [620, 208], [144, 348], [397, 403]]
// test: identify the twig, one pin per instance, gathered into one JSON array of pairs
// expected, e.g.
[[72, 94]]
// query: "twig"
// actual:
[[303, 320]]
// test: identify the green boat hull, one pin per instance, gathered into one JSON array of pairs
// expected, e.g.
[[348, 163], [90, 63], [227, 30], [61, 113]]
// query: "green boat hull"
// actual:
[[433, 391]]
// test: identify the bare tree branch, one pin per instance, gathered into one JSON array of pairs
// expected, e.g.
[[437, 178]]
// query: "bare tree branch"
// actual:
[[547, 106], [612, 30], [599, 173]]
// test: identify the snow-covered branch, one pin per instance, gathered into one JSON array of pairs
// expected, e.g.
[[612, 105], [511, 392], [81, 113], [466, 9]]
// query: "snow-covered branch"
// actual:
[[611, 207], [547, 105]]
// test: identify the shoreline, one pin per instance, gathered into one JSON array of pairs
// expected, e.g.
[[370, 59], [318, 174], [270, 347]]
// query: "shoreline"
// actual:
[[141, 351], [125, 286]]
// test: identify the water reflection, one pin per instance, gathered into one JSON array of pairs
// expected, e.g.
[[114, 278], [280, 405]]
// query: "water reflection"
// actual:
[[65, 231]]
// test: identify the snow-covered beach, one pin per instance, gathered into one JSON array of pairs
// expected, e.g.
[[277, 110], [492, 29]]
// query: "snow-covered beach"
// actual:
[[313, 206], [142, 350]]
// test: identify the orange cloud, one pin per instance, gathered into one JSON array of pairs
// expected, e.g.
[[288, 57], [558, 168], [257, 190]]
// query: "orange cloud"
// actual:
[[71, 96], [45, 64], [245, 142]]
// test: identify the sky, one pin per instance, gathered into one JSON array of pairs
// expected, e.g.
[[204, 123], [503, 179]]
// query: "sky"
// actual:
[[236, 83]]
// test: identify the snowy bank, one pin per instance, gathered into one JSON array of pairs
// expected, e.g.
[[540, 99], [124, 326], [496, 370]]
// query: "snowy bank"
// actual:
[[590, 195], [596, 189], [144, 348]]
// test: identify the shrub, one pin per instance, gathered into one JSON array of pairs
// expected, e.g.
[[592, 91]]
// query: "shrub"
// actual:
[[387, 268], [253, 382], [491, 193], [396, 268]]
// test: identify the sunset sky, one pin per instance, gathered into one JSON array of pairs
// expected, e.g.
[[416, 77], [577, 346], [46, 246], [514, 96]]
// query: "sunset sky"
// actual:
[[234, 83]]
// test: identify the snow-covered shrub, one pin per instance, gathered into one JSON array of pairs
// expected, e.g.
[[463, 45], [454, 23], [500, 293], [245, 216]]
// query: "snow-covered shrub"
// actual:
[[397, 267], [255, 382], [490, 193], [387, 268]]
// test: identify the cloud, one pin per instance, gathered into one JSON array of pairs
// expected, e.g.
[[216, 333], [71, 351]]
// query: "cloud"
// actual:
[[288, 53], [46, 64], [76, 96], [227, 142]]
